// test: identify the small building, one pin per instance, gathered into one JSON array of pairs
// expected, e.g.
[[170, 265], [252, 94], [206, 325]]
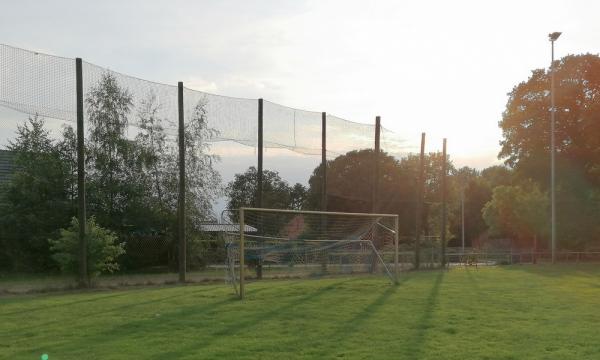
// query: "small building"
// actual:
[[6, 165], [230, 228]]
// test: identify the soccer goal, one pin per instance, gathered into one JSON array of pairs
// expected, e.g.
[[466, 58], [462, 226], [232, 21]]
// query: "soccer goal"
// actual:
[[274, 244]]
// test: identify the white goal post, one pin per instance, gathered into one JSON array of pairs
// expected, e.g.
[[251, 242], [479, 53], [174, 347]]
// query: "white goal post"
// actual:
[[280, 243]]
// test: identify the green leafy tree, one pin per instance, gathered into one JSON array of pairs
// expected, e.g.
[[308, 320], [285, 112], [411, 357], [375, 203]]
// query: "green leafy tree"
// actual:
[[277, 194], [158, 154], [525, 147], [477, 188], [203, 182], [298, 194], [35, 202], [350, 182], [103, 249], [519, 212], [111, 156], [67, 148]]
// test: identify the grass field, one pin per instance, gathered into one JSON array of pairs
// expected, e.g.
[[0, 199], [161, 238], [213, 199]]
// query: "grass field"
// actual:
[[514, 312]]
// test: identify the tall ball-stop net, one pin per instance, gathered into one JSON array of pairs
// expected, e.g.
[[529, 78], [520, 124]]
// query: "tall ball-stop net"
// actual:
[[132, 163]]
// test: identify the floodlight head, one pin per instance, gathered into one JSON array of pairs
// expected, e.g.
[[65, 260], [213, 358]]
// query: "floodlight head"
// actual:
[[555, 35]]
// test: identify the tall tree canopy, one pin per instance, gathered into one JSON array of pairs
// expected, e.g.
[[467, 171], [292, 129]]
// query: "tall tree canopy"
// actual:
[[350, 182], [277, 193], [526, 145], [526, 121]]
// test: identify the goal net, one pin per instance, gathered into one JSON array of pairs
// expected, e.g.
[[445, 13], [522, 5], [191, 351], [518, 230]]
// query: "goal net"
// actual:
[[275, 244]]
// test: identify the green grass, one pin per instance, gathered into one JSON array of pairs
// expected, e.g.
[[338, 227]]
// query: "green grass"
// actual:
[[518, 312]]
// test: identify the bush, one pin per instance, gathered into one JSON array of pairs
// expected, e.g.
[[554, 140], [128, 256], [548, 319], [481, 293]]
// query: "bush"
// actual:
[[102, 249]]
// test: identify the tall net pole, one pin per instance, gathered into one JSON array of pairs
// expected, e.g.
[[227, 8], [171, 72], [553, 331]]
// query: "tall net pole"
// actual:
[[443, 229], [324, 161], [396, 248], [418, 220], [83, 277], [242, 253], [181, 200], [259, 176], [375, 193]]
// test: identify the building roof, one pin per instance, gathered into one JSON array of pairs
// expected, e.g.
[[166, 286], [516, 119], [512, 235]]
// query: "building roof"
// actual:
[[6, 165], [226, 228]]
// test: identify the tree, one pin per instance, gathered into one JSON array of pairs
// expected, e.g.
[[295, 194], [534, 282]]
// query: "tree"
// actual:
[[519, 212], [525, 147], [350, 183], [277, 193], [298, 194], [67, 148], [35, 203], [111, 155], [103, 249], [477, 187], [203, 182], [154, 211]]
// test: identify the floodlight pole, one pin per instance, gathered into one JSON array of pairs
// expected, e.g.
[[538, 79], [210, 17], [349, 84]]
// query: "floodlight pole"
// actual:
[[552, 37]]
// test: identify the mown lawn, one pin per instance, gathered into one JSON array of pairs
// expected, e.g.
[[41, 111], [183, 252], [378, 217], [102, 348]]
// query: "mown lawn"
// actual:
[[517, 312]]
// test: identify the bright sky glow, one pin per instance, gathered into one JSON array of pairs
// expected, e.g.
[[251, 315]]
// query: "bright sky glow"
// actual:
[[443, 67]]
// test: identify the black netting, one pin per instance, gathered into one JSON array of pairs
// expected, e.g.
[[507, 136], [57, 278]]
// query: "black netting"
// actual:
[[132, 170]]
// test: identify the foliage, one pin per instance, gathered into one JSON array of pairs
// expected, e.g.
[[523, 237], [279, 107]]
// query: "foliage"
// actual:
[[476, 187], [131, 184], [35, 202], [134, 184], [277, 193], [112, 158], [525, 122], [525, 147], [103, 249], [520, 212], [350, 182]]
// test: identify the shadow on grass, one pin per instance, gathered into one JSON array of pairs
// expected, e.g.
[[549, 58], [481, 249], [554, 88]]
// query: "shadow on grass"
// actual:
[[425, 321], [87, 315], [29, 310], [143, 328], [557, 270], [247, 323], [354, 325]]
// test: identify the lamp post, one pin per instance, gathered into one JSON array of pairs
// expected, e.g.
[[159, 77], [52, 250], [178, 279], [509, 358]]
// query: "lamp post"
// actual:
[[552, 37]]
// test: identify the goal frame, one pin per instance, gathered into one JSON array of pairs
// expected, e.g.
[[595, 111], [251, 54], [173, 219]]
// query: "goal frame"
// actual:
[[242, 235]]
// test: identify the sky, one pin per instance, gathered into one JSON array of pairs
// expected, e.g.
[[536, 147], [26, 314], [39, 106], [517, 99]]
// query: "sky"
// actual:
[[440, 67]]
